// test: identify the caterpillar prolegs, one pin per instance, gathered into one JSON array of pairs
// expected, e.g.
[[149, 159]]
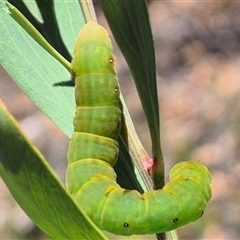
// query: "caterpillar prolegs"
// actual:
[[93, 152]]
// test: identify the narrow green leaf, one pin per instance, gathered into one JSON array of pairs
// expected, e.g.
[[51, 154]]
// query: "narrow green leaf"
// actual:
[[35, 71], [36, 188], [129, 22]]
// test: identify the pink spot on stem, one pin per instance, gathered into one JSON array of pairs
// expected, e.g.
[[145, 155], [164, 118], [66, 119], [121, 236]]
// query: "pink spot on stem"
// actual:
[[148, 164]]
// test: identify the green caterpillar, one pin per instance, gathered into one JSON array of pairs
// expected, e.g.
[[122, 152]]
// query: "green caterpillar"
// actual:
[[93, 151]]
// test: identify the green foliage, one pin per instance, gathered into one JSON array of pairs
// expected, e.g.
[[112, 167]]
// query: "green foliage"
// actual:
[[29, 178], [134, 38], [37, 189], [38, 73]]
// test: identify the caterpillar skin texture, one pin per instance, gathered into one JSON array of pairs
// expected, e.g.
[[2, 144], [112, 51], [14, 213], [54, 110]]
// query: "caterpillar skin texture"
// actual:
[[93, 152]]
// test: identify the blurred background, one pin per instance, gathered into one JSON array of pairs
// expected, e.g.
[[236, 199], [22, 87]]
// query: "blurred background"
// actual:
[[198, 66]]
